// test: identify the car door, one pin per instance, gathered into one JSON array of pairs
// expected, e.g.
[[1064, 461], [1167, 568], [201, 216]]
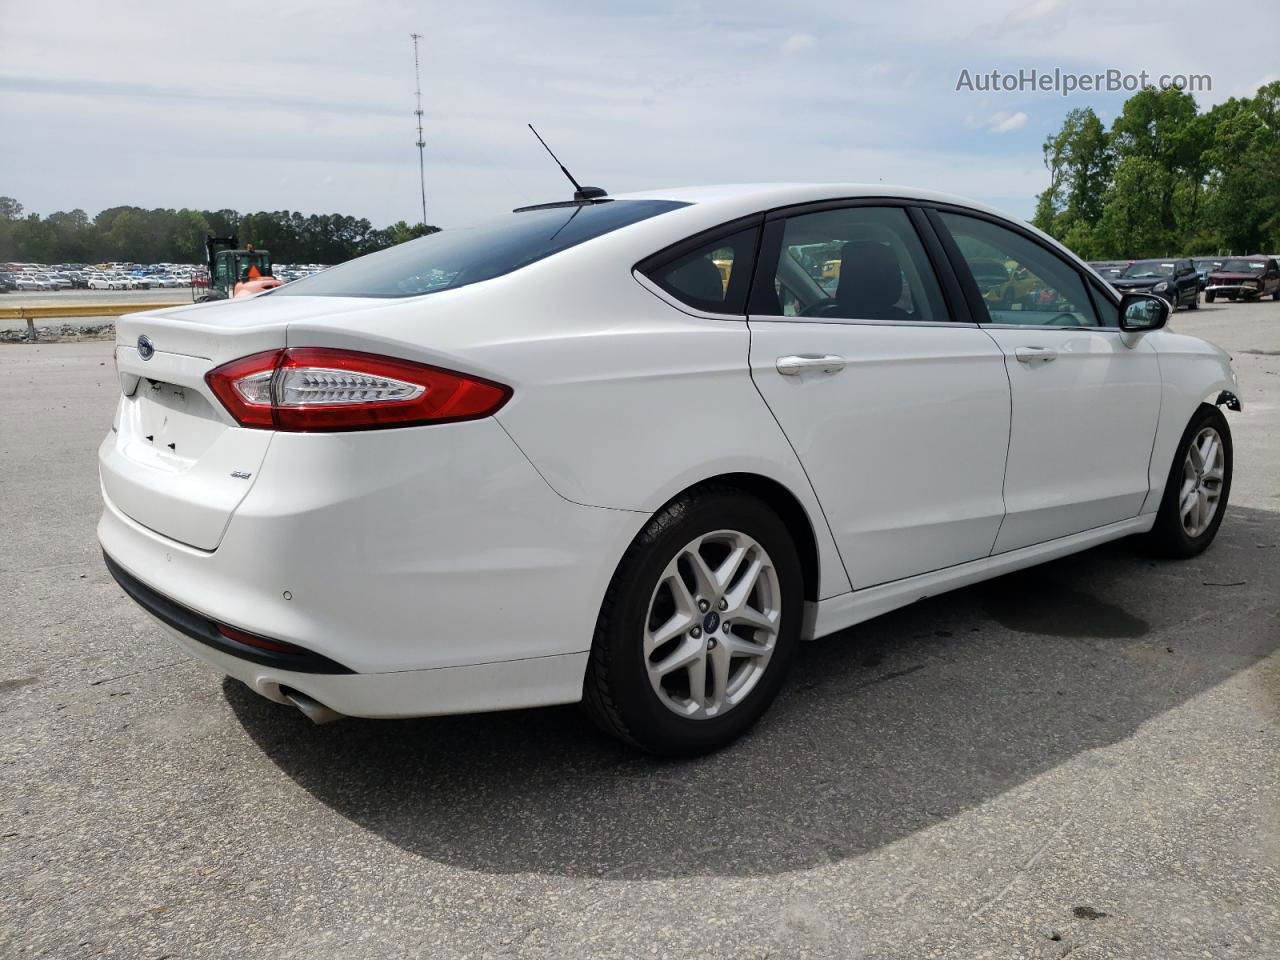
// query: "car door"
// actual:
[[1086, 396], [1188, 286], [898, 411]]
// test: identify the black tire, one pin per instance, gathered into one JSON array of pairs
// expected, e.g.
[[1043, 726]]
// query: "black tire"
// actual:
[[1195, 304], [617, 692], [1208, 297], [1276, 295], [1168, 537]]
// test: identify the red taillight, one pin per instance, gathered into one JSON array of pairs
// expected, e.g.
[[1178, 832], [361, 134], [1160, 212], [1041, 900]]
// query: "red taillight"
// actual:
[[315, 388]]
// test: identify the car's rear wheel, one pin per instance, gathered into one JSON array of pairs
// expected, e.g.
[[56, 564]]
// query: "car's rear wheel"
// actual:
[[1199, 484], [699, 625], [1208, 297]]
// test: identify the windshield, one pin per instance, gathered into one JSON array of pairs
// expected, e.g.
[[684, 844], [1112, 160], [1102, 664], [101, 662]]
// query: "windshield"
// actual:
[[1242, 266], [1150, 268], [463, 255]]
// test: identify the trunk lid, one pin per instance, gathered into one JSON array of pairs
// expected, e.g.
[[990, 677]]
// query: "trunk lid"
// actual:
[[175, 461]]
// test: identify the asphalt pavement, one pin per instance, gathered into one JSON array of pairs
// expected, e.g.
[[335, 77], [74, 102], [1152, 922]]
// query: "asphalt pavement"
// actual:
[[1080, 759]]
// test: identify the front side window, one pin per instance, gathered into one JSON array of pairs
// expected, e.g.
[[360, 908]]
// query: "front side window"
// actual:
[[713, 276], [1035, 287], [853, 263], [463, 255], [1108, 313]]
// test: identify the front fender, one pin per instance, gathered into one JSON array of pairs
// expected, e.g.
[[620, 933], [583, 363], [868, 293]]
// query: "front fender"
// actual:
[[1192, 371]]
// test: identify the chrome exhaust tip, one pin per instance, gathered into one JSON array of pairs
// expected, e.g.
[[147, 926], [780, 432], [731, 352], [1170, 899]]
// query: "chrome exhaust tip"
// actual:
[[314, 710]]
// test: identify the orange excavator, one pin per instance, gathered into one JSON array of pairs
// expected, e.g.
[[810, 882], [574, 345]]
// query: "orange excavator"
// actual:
[[233, 271]]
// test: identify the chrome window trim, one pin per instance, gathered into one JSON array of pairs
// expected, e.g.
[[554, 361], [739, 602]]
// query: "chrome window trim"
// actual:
[[948, 324], [1092, 328]]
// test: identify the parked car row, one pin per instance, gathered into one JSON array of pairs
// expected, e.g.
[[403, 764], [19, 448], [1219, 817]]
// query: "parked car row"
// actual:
[[38, 277], [1181, 280]]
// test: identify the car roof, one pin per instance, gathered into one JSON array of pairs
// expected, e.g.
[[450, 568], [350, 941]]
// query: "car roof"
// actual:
[[764, 196]]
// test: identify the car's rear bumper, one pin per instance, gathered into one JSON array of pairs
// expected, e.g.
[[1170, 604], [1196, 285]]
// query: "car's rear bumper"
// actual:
[[473, 688], [403, 559]]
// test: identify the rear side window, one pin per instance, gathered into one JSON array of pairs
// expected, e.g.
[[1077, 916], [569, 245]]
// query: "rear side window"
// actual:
[[460, 256], [713, 276], [852, 263]]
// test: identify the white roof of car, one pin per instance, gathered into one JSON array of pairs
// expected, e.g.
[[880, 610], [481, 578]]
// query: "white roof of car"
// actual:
[[767, 195]]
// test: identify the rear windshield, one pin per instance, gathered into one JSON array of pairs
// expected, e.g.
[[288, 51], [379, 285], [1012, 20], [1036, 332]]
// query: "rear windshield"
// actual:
[[461, 255]]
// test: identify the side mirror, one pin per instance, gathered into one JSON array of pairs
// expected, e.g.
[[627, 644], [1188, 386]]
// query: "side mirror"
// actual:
[[1143, 311]]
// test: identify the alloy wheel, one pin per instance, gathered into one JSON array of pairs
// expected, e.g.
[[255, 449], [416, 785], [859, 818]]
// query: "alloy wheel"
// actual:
[[712, 624], [1203, 472]]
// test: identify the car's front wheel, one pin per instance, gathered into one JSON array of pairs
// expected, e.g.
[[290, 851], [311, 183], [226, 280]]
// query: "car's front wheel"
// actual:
[[1199, 483], [699, 625]]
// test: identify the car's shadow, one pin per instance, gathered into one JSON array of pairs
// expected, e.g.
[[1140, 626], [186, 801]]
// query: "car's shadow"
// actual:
[[883, 730]]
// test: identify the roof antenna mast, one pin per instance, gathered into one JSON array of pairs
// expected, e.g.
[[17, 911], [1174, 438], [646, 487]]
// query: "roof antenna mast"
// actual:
[[580, 193], [422, 175]]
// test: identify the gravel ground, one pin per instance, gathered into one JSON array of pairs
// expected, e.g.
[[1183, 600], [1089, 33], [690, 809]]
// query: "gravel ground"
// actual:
[[1083, 758]]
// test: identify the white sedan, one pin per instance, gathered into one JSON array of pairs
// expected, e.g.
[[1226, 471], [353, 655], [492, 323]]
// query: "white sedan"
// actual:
[[631, 451]]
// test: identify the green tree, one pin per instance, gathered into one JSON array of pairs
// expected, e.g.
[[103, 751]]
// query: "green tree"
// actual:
[[1079, 161]]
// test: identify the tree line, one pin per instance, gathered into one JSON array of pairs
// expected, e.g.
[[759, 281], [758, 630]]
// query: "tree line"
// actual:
[[1166, 179], [132, 234]]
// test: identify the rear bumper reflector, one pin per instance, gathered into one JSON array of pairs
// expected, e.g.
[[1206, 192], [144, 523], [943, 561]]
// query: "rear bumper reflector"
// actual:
[[229, 640]]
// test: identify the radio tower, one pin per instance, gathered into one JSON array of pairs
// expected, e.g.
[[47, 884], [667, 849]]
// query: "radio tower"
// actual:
[[422, 176]]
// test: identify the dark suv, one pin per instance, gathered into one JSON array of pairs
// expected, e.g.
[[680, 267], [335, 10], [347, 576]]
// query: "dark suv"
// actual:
[[1174, 280]]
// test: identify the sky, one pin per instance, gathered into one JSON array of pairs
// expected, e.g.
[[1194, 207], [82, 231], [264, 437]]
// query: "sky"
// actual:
[[309, 106]]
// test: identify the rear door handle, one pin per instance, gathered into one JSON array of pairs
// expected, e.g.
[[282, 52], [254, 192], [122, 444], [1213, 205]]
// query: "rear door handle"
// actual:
[[793, 366], [1035, 354]]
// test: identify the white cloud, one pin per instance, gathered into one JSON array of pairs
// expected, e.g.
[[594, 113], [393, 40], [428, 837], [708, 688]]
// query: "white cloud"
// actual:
[[1002, 122], [316, 103], [797, 42], [1032, 12]]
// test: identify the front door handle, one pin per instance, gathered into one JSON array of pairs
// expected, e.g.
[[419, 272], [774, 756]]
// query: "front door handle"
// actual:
[[1035, 354], [793, 366]]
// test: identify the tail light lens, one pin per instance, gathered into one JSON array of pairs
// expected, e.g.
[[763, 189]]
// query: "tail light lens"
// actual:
[[317, 389]]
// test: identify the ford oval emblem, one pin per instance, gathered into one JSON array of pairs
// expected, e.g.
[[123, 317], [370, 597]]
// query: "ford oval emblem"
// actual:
[[146, 349]]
